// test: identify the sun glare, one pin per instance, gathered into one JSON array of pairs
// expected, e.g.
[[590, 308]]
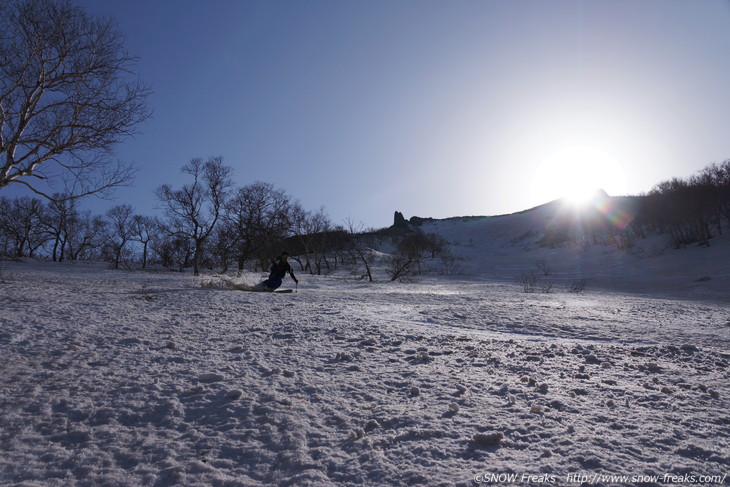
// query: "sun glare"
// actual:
[[576, 173]]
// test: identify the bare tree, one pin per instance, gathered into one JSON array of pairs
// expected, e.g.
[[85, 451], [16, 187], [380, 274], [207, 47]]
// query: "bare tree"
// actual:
[[529, 281], [412, 251], [399, 265], [299, 217], [194, 210], [6, 240], [173, 252], [85, 235], [22, 226], [58, 218], [577, 286], [360, 252], [313, 231], [121, 231], [544, 267], [143, 228], [66, 99], [224, 246], [259, 216], [715, 180], [681, 207]]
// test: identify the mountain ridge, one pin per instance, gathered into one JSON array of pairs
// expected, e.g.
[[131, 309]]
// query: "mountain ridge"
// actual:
[[601, 242]]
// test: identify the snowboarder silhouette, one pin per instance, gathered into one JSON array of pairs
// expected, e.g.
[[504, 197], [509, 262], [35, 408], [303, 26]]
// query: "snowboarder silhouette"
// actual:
[[279, 267]]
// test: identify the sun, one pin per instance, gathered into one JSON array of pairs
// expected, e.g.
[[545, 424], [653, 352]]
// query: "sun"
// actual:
[[576, 173]]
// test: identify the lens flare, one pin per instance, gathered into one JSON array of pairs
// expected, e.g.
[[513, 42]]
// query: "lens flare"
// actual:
[[620, 215]]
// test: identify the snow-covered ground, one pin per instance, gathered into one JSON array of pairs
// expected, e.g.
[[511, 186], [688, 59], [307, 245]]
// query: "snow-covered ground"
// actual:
[[137, 378], [145, 378], [502, 248]]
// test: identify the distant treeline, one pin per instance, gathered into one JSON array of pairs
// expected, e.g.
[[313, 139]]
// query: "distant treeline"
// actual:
[[204, 226], [215, 225], [688, 211]]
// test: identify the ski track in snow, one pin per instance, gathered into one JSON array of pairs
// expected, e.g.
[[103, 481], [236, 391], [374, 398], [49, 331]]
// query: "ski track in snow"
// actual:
[[125, 379]]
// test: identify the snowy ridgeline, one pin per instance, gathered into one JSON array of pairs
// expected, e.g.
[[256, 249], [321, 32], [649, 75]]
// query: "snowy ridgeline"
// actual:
[[506, 248], [130, 378]]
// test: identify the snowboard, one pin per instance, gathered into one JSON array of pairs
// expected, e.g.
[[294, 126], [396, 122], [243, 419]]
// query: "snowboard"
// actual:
[[259, 290]]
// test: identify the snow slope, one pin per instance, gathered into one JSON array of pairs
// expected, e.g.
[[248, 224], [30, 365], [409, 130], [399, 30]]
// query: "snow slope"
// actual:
[[128, 378], [502, 248]]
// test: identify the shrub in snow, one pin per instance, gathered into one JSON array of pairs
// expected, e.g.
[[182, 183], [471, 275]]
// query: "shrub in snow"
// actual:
[[453, 408], [450, 265], [577, 286], [532, 283], [415, 391], [145, 292], [544, 267], [529, 281], [537, 409]]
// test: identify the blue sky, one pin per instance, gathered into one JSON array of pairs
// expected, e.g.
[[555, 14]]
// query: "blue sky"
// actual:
[[432, 108]]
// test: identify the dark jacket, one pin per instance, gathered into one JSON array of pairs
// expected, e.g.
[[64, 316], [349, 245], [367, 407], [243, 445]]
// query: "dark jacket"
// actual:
[[280, 268]]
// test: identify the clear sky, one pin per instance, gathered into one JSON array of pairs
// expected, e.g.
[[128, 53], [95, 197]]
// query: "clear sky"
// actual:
[[433, 108]]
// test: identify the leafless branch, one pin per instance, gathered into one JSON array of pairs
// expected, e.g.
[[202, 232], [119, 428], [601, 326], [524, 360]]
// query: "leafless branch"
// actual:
[[66, 99]]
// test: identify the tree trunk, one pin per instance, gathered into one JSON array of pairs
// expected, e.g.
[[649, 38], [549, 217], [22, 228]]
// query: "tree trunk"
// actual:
[[144, 255]]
